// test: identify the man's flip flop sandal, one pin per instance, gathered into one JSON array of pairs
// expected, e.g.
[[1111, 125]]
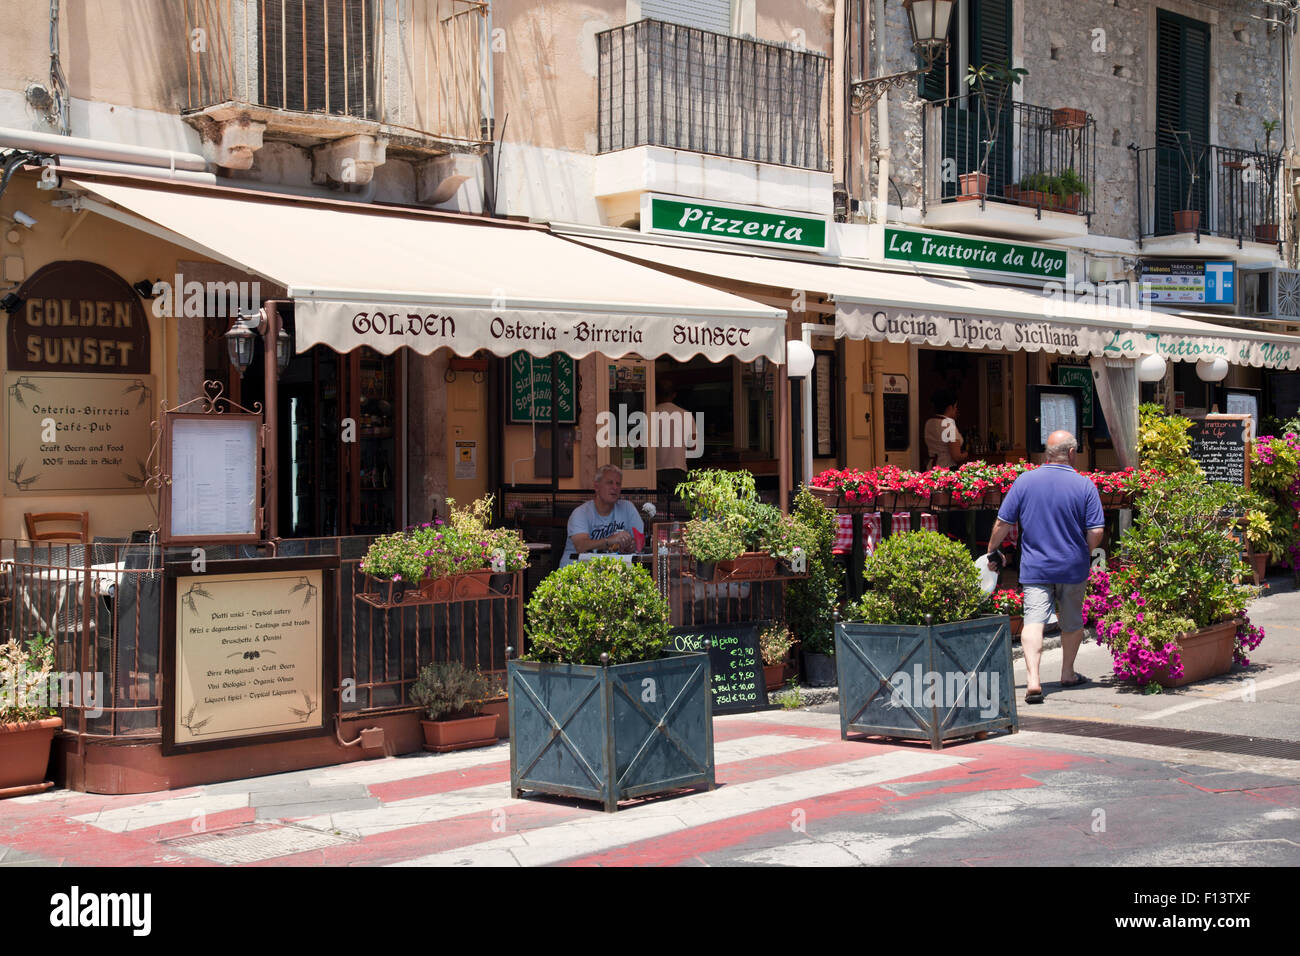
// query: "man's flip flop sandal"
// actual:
[[1079, 681], [1034, 697]]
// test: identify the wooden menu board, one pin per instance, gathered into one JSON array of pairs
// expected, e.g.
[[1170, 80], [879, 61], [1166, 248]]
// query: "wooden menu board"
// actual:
[[735, 664], [1221, 448]]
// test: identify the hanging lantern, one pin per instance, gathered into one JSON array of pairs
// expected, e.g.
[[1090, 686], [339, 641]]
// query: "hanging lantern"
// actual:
[[283, 349], [1213, 370], [240, 341], [1152, 368]]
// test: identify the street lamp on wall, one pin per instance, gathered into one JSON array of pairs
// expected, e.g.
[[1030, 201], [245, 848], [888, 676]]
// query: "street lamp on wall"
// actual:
[[928, 20], [241, 340]]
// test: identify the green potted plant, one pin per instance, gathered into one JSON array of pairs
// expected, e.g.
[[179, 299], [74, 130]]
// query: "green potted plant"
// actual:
[[774, 645], [812, 602], [1268, 231], [451, 695], [1073, 189], [1188, 219], [27, 722], [1173, 610], [1011, 603], [1036, 189], [598, 710], [790, 541], [918, 659], [710, 541], [992, 83]]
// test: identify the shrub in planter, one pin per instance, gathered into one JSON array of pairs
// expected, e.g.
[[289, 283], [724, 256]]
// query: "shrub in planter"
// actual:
[[712, 492], [811, 603], [27, 723], [1177, 578], [1163, 442], [638, 724], [922, 662], [451, 695]]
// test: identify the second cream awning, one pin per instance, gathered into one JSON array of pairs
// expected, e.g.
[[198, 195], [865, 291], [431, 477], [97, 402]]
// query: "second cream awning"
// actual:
[[388, 278], [938, 311]]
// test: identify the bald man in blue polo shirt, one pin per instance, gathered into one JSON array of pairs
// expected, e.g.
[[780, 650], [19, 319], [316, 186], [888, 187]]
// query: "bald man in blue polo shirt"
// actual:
[[1061, 523]]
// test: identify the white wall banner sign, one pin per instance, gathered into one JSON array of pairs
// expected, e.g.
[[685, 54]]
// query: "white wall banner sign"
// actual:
[[1060, 336], [388, 326]]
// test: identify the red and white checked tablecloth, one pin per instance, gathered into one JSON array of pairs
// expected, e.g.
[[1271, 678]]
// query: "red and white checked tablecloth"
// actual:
[[871, 529]]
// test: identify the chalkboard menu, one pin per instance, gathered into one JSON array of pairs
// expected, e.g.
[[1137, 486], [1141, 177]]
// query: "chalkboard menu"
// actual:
[[734, 662], [898, 423], [1219, 446]]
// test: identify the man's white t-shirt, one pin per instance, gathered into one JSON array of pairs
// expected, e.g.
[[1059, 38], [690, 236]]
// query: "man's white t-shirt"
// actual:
[[587, 520], [935, 429]]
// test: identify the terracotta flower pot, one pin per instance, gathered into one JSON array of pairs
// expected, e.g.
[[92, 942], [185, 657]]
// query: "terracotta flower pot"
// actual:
[[1187, 220], [1069, 118], [24, 756], [973, 185], [1034, 197], [750, 565], [1017, 625], [773, 676], [830, 497], [500, 709], [1266, 232], [442, 736], [1206, 653]]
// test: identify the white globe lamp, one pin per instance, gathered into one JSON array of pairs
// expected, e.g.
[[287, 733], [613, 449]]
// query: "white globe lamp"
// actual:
[[1214, 370], [1152, 368], [799, 359]]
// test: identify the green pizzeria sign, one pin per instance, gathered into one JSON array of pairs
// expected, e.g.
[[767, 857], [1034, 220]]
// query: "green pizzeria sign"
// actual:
[[683, 217], [904, 245]]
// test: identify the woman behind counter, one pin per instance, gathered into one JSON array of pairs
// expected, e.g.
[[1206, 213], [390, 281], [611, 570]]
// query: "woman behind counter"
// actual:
[[942, 440]]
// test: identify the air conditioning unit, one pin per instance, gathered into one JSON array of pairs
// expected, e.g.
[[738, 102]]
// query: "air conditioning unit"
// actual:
[[1270, 294]]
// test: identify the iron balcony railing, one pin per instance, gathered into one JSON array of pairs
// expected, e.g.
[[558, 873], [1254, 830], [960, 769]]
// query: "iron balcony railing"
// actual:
[[1208, 190], [328, 57], [1030, 156], [662, 84]]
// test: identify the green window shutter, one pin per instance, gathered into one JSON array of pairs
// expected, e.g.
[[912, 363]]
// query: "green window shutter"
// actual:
[[990, 33], [1182, 104]]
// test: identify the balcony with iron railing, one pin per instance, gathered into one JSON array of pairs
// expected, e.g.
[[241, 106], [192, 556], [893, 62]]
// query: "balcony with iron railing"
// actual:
[[327, 69], [1204, 192], [663, 84], [1023, 170]]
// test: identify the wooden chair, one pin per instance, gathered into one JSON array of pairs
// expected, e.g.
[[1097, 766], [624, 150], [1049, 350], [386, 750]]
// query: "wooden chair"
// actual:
[[81, 518]]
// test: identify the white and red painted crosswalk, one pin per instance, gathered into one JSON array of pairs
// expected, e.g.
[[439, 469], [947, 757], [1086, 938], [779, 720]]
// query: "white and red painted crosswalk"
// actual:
[[776, 773]]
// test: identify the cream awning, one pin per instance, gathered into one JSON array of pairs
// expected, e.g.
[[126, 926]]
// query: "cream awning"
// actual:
[[940, 311], [386, 277]]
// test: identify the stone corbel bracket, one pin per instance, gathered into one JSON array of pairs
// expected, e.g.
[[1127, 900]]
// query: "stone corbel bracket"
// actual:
[[231, 143], [348, 161]]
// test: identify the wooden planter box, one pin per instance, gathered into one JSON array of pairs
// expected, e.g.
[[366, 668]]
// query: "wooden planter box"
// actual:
[[611, 733], [881, 665], [24, 756], [444, 736], [1206, 653], [471, 586]]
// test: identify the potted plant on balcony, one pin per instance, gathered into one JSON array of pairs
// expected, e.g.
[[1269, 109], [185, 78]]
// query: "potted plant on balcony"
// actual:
[[1069, 118], [27, 723], [1268, 231], [1172, 610], [918, 660], [1037, 190], [451, 696], [1188, 219], [598, 711], [991, 83], [1074, 190]]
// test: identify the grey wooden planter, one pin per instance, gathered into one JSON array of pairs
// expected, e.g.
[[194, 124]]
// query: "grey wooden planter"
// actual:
[[611, 733], [931, 683]]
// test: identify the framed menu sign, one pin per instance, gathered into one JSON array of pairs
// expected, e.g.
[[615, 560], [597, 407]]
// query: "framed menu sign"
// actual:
[[214, 467], [249, 652]]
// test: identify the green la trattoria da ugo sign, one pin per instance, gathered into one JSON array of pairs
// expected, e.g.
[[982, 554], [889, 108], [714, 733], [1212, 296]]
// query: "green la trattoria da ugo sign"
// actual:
[[907, 245]]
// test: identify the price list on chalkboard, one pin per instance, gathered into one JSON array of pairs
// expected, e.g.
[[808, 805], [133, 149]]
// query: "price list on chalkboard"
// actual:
[[1219, 446], [735, 663]]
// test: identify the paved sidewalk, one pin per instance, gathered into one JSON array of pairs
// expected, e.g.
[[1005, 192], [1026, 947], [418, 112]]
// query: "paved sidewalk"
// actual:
[[791, 792]]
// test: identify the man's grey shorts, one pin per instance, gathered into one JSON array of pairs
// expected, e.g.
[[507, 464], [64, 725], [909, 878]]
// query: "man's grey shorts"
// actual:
[[1068, 599]]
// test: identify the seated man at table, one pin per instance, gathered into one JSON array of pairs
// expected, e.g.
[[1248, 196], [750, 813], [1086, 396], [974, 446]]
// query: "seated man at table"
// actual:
[[605, 524]]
